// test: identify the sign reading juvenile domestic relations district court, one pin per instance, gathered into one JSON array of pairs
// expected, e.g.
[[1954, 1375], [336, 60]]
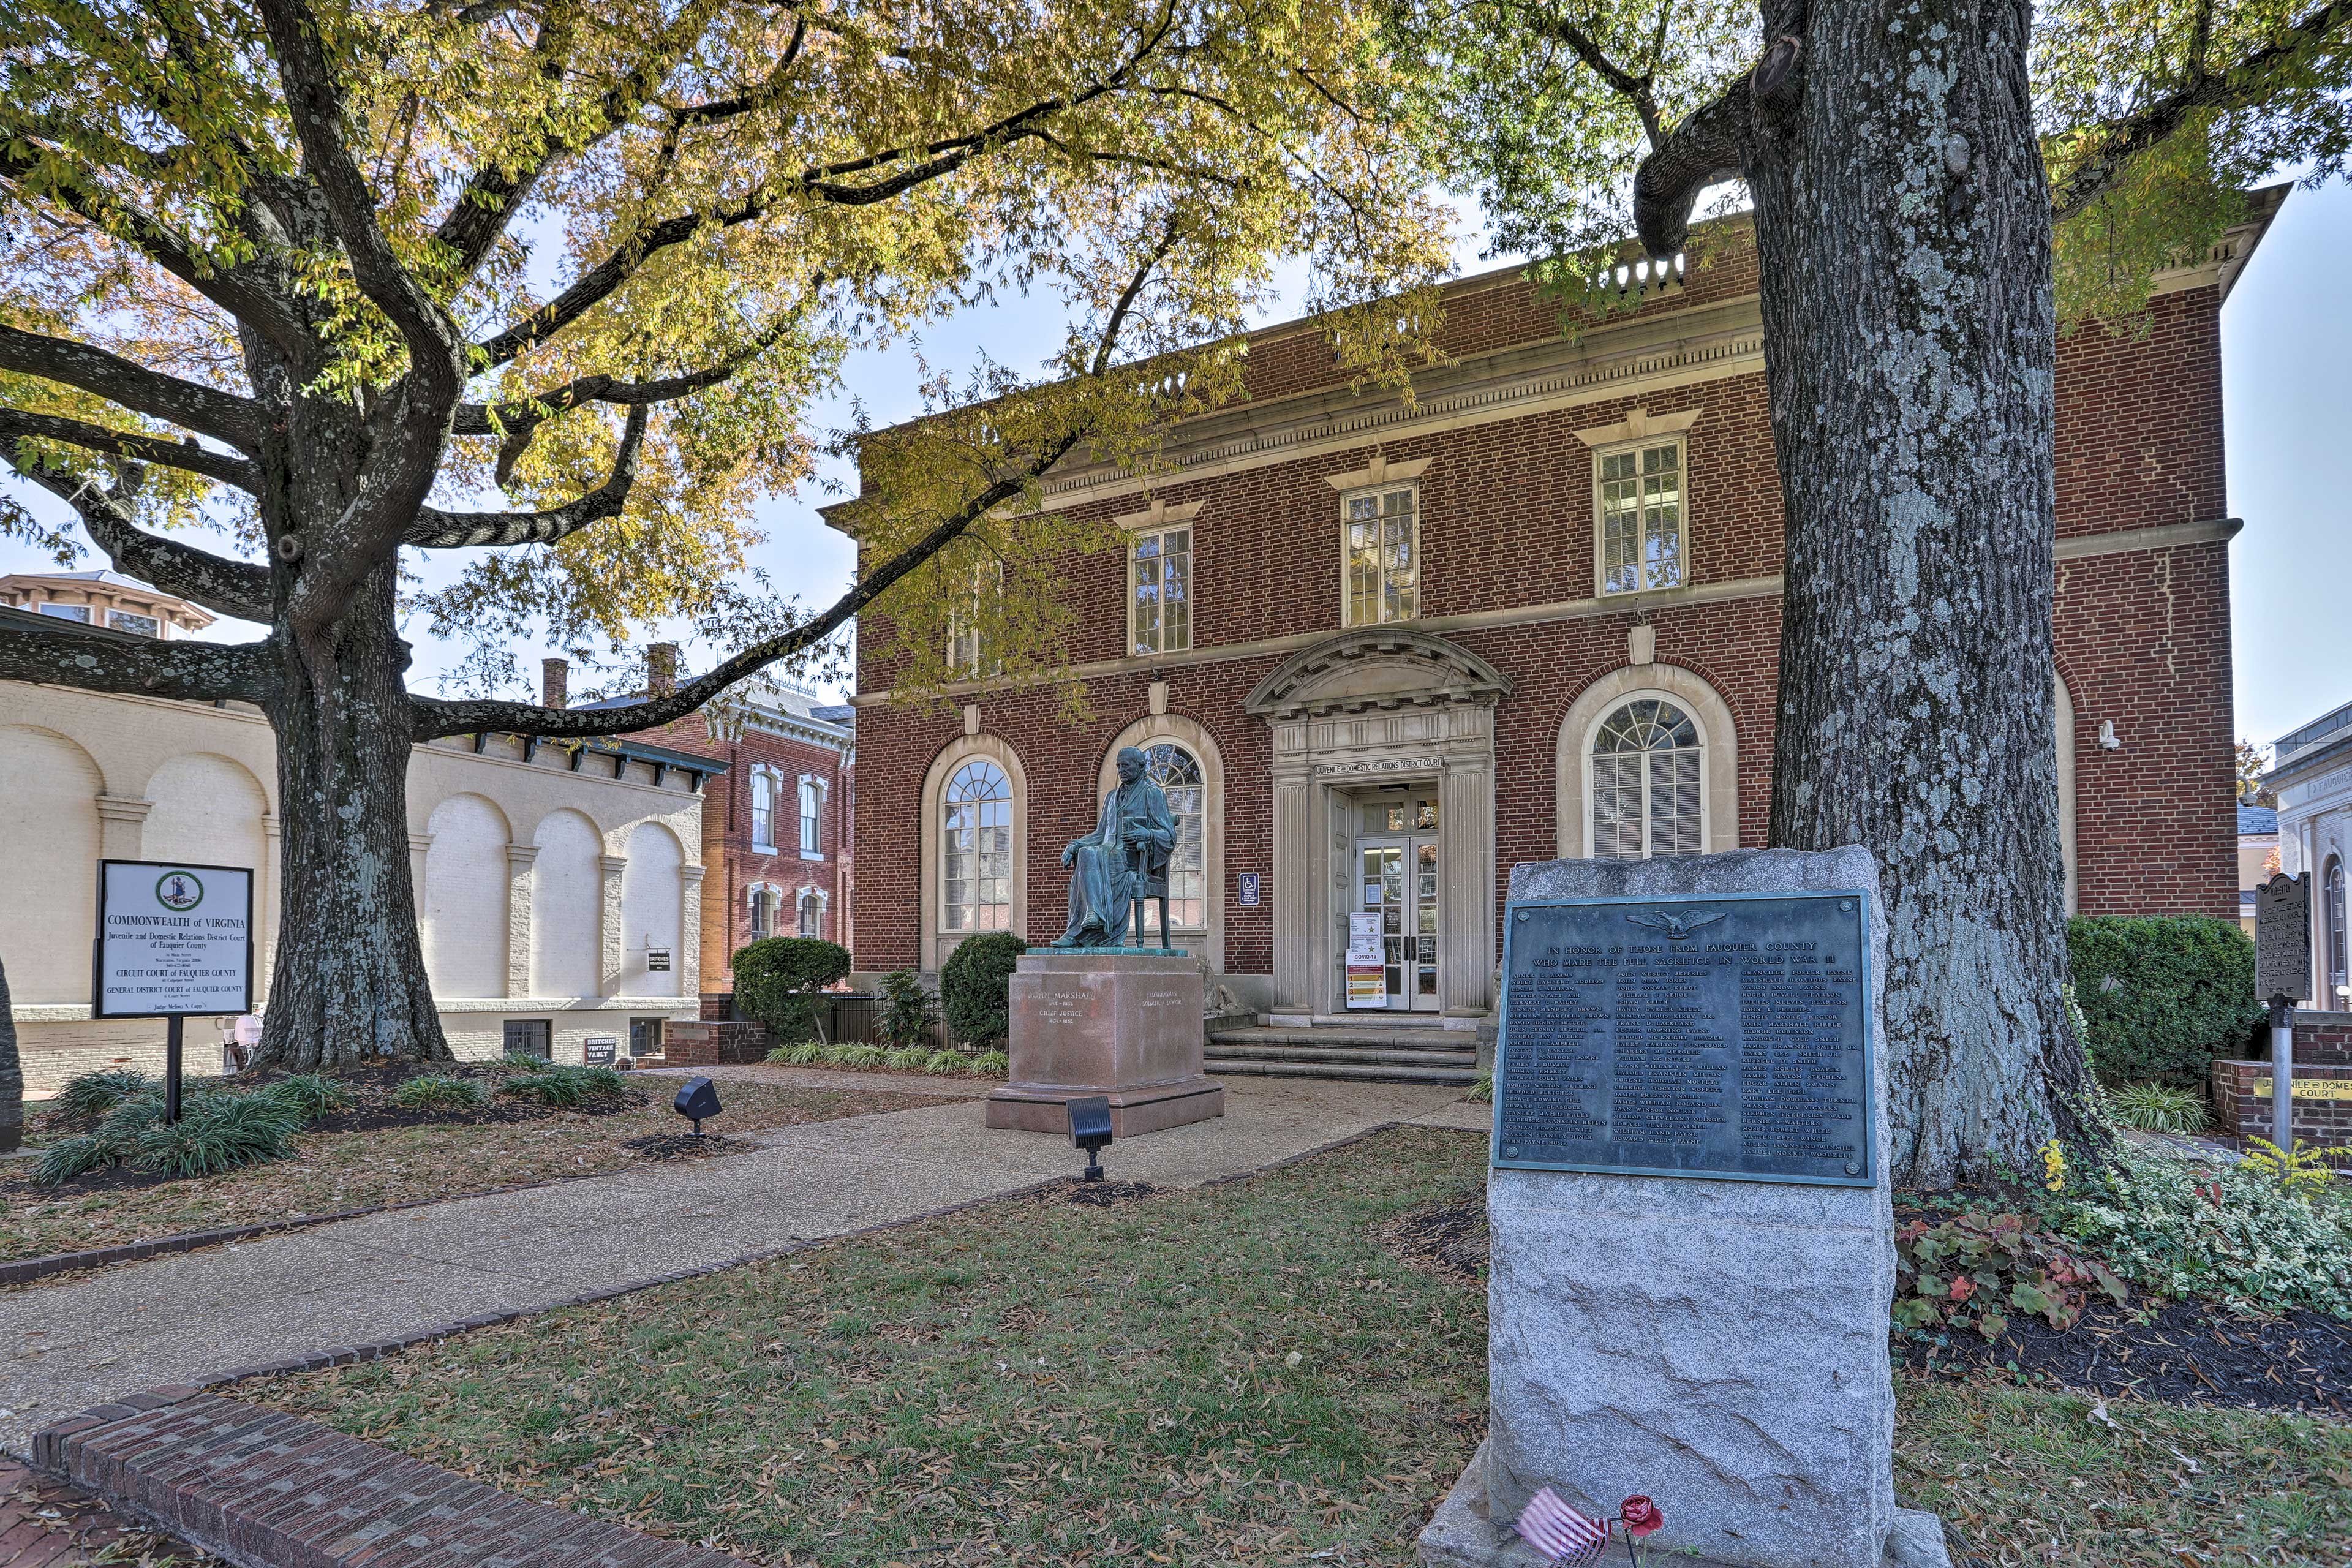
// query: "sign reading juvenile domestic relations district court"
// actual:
[[1724, 1036], [173, 938]]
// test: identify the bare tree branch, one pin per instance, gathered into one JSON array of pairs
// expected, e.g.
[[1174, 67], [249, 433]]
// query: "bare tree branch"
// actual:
[[1634, 90], [64, 653], [2116, 145], [1703, 150], [517, 419], [438, 529], [16, 424], [126, 383], [232, 587]]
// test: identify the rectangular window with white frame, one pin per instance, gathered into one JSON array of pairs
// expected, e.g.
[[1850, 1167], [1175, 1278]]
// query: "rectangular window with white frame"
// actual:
[[1380, 551], [1639, 516], [969, 656], [1160, 590]]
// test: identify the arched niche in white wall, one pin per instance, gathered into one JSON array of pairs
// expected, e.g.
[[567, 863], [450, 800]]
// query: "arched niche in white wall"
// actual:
[[49, 822], [207, 809], [1572, 759], [567, 892], [653, 910], [465, 898]]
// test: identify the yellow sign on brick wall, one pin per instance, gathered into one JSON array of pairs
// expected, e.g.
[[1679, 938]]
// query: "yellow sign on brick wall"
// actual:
[[2311, 1088]]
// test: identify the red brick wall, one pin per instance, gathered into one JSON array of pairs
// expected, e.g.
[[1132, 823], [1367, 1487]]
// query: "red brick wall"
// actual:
[[2240, 1109], [1507, 519]]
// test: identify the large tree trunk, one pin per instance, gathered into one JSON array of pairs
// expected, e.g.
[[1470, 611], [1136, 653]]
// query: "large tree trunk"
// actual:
[[12, 1075], [349, 987], [1909, 329]]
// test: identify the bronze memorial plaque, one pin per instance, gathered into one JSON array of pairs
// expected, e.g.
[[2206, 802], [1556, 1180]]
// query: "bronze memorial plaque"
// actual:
[[1724, 1036]]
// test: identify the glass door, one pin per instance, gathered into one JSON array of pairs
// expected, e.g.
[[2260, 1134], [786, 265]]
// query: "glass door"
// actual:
[[1397, 881]]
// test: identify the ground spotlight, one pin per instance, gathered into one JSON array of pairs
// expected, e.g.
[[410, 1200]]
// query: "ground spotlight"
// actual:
[[699, 1099], [1090, 1130]]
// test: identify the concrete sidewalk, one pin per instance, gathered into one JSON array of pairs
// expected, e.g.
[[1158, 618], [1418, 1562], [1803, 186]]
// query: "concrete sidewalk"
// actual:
[[183, 1318]]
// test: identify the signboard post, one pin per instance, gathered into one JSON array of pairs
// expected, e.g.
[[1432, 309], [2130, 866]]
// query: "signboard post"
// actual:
[[2283, 978], [172, 939], [1366, 974]]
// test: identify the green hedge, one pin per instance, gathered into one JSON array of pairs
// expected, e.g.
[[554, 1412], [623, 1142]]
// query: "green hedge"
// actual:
[[2164, 995], [777, 979], [972, 986]]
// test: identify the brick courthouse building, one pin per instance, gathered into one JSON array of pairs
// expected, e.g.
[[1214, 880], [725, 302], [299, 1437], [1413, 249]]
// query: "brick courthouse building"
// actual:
[[1380, 652]]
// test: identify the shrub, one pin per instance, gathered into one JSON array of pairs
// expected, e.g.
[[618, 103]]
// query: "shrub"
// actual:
[[89, 1096], [566, 1086], [2230, 1234], [2163, 994], [777, 979], [219, 1132], [908, 1012], [124, 1123], [808, 1053], [946, 1062], [1483, 1091], [309, 1096], [971, 987], [990, 1064], [439, 1092], [524, 1061], [856, 1055], [2158, 1107], [1972, 1270], [907, 1058], [67, 1158]]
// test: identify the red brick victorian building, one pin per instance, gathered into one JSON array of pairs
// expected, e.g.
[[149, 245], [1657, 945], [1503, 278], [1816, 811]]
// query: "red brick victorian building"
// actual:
[[1378, 651]]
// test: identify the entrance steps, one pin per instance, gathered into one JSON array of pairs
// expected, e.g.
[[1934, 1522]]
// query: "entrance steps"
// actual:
[[1371, 1053]]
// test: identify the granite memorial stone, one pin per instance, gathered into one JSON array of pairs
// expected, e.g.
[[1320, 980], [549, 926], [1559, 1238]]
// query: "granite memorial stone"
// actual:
[[1693, 1238]]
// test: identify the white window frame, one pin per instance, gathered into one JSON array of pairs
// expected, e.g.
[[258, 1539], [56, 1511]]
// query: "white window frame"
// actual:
[[940, 804], [765, 843], [1638, 445], [1689, 711], [1135, 648], [1420, 565], [810, 798], [800, 922], [751, 910], [964, 625], [153, 624]]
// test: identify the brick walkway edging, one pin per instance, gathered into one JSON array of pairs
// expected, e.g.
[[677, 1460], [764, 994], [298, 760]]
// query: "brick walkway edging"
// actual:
[[268, 1489]]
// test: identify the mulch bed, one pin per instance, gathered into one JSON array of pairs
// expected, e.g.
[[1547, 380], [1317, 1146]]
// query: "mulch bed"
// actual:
[[685, 1146], [1448, 1238], [2184, 1353]]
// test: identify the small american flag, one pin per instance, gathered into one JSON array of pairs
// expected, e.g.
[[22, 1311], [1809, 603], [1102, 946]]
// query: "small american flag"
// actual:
[[1559, 1531]]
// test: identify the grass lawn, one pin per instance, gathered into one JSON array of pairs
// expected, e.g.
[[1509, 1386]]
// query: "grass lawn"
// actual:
[[1242, 1374], [334, 1171]]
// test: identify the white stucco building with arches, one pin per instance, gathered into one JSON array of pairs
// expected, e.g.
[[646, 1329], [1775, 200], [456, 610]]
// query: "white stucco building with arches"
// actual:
[[559, 893]]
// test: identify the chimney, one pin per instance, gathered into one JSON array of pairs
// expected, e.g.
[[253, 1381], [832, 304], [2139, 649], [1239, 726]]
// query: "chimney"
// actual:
[[661, 669], [555, 683]]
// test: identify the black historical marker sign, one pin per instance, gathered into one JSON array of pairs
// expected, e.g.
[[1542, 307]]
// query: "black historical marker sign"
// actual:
[[1724, 1036], [2282, 938]]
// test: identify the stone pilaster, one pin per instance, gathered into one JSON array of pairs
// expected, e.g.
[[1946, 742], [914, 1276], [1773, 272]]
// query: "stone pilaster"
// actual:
[[121, 826], [687, 965], [418, 843], [1465, 893], [1296, 836], [518, 915], [266, 898], [612, 940]]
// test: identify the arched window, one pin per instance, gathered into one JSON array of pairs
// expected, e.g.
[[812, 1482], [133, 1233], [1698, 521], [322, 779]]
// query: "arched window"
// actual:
[[764, 809], [1177, 772], [763, 913], [976, 849], [808, 816], [1647, 762], [2332, 893], [812, 917]]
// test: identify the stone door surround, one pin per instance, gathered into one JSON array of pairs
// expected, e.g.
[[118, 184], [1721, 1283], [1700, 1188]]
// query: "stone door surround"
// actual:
[[1379, 705]]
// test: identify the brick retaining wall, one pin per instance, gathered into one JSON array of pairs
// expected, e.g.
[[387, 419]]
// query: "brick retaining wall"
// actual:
[[2242, 1099], [707, 1045], [266, 1490]]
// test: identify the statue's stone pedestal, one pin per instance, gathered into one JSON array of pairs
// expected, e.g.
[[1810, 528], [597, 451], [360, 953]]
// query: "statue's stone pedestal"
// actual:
[[1124, 1022]]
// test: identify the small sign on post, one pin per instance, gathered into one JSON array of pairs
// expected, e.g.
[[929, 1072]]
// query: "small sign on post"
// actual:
[[2283, 978], [172, 939], [1366, 974]]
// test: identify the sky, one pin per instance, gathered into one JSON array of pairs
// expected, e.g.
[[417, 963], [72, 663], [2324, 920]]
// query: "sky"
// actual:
[[2286, 366]]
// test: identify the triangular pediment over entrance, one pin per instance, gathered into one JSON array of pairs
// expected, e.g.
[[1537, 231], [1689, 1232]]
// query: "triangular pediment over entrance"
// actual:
[[1375, 668]]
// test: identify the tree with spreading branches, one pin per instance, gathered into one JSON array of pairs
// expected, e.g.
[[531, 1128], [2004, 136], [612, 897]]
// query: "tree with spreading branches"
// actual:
[[1936, 185], [555, 283]]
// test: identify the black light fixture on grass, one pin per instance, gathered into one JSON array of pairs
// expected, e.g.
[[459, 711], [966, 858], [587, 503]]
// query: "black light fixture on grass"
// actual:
[[1090, 1130], [697, 1100]]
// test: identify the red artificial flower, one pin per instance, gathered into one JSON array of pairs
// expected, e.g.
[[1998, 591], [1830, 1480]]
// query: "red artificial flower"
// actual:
[[1641, 1515]]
